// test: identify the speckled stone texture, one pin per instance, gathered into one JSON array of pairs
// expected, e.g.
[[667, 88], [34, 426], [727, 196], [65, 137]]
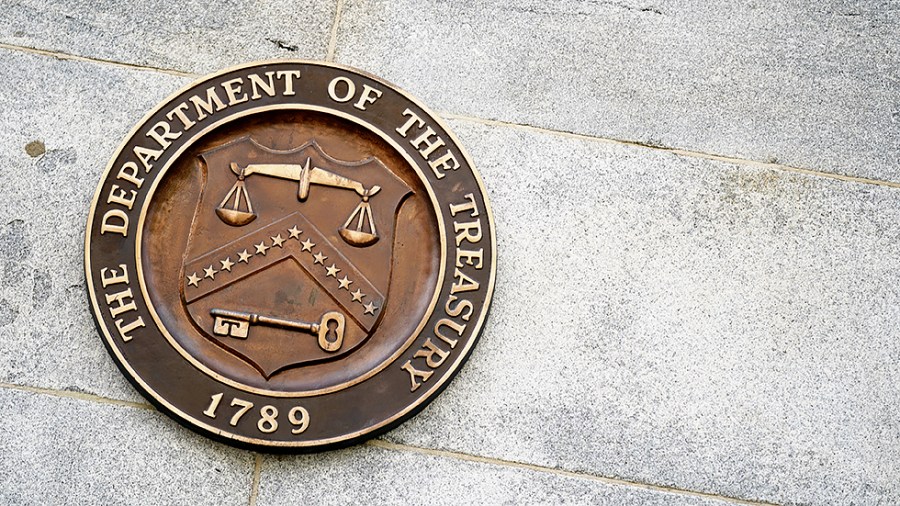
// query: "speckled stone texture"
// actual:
[[66, 451], [47, 336], [809, 83], [373, 475], [189, 36], [683, 322], [667, 329]]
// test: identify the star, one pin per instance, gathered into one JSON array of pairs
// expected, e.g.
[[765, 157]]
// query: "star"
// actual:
[[226, 264], [357, 295], [295, 232], [307, 245], [319, 258], [277, 241], [332, 271], [194, 280], [261, 248], [244, 256], [210, 272], [370, 308], [345, 283]]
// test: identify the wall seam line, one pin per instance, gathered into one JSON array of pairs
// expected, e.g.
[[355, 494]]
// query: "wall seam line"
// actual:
[[254, 484], [73, 57], [677, 151], [562, 133], [332, 40], [76, 395], [400, 447], [380, 443]]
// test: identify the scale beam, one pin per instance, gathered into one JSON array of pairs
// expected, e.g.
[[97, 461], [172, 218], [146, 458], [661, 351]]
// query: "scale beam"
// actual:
[[364, 234], [305, 176]]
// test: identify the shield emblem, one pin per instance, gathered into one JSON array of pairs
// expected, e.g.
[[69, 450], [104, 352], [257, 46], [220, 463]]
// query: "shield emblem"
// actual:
[[288, 261]]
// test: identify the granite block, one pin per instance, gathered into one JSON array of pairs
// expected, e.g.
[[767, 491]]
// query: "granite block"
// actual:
[[682, 322], [662, 319], [810, 84], [59, 450], [373, 475], [189, 36], [61, 122]]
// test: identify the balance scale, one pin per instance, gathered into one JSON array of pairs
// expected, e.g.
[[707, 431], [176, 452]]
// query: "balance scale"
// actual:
[[230, 209]]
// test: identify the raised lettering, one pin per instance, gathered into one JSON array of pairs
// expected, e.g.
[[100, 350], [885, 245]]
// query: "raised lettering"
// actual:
[[124, 330], [429, 351], [128, 172], [463, 283], [120, 197], [114, 277], [145, 155], [462, 305], [232, 88], [430, 145], [288, 82], [333, 91], [464, 231], [446, 322], [182, 117], [469, 256], [415, 373], [121, 306], [109, 225], [413, 118], [441, 165], [368, 96], [468, 206], [161, 132], [256, 83], [205, 108]]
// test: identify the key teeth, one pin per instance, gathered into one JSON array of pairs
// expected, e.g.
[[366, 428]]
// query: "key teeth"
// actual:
[[231, 327]]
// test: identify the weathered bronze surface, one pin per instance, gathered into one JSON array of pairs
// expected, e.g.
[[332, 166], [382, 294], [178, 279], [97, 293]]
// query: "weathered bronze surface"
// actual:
[[290, 255]]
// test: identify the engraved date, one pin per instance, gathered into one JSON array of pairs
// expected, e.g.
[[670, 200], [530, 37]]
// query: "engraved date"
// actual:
[[267, 423]]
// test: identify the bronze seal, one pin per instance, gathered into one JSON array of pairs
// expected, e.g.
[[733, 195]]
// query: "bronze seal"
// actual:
[[290, 255]]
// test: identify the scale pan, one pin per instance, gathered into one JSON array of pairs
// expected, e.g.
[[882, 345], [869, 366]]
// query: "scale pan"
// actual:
[[357, 237], [235, 218]]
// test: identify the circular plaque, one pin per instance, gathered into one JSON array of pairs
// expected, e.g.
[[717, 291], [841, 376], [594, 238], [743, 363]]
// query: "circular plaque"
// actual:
[[290, 255]]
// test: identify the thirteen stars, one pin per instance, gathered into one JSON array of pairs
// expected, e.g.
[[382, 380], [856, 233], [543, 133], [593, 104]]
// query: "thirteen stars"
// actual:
[[307, 245]]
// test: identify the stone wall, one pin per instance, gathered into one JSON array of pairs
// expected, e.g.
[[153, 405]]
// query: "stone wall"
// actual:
[[698, 229]]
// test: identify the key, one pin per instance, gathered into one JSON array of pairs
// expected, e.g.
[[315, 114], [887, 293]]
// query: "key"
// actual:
[[237, 324]]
